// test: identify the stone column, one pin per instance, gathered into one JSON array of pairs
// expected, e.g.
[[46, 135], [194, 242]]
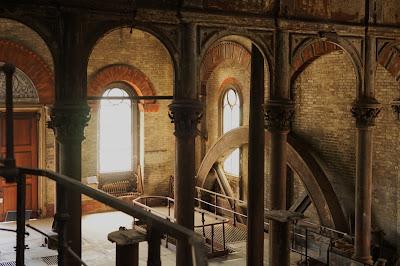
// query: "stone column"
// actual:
[[364, 111], [255, 195], [277, 120], [185, 113], [69, 115]]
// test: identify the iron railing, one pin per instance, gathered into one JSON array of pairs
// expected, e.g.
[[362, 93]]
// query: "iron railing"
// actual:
[[156, 226], [221, 221], [301, 242]]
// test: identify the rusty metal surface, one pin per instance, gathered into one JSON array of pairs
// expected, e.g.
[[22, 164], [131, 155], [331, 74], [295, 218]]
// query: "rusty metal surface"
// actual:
[[306, 165]]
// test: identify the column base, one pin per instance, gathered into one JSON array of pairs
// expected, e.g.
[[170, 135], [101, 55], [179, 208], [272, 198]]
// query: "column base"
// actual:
[[367, 260]]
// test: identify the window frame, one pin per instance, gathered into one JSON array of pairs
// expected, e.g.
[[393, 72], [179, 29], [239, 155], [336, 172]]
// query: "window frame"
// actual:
[[225, 88], [135, 127]]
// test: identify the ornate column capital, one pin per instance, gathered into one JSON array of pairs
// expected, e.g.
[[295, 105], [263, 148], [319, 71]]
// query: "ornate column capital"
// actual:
[[69, 122], [278, 115], [185, 114], [365, 111], [396, 108]]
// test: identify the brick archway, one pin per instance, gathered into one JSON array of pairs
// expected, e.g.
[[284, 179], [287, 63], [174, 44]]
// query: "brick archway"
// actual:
[[389, 58], [33, 66], [311, 52], [225, 50], [137, 80]]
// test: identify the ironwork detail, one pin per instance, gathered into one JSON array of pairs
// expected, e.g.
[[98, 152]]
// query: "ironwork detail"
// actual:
[[23, 88], [69, 123], [185, 114], [365, 112], [278, 115]]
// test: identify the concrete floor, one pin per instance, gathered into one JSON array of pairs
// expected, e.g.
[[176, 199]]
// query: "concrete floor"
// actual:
[[97, 250]]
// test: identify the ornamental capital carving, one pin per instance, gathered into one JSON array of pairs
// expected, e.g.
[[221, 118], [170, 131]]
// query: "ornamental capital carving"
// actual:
[[396, 108], [278, 115], [365, 111], [185, 114], [69, 122]]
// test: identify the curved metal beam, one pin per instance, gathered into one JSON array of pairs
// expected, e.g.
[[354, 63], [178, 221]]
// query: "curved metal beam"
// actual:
[[310, 169]]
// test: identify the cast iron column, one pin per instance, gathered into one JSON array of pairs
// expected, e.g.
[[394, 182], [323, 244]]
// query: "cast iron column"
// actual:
[[255, 195], [365, 111], [68, 123], [185, 112], [278, 114], [277, 120], [69, 117]]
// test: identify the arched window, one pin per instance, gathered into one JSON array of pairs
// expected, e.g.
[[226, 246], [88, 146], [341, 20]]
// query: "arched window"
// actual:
[[231, 120], [117, 132]]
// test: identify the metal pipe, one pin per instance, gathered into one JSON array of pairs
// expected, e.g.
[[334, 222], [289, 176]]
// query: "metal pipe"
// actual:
[[133, 98], [9, 70], [212, 238], [223, 235], [21, 191]]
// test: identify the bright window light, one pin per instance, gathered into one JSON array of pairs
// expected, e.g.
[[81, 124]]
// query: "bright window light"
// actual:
[[115, 133], [231, 120]]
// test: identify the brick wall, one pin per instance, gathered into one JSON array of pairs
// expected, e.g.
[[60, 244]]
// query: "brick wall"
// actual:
[[323, 95], [386, 159], [19, 33], [144, 52]]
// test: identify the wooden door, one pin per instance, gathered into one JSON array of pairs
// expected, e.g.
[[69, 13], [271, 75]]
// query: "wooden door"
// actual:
[[26, 154]]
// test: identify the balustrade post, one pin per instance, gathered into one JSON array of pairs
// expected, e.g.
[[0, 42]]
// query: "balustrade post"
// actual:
[[154, 243], [127, 246]]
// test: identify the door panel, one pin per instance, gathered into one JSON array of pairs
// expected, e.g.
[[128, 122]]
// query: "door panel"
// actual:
[[26, 155]]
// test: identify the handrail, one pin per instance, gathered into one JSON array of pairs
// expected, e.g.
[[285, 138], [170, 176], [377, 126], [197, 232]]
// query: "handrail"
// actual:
[[163, 225], [321, 227], [222, 220]]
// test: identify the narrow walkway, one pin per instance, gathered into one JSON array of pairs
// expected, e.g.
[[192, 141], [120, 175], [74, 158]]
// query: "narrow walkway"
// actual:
[[97, 250]]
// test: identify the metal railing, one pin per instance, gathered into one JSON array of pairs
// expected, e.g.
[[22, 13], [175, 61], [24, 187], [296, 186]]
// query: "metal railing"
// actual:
[[156, 226], [170, 202], [316, 246], [332, 256]]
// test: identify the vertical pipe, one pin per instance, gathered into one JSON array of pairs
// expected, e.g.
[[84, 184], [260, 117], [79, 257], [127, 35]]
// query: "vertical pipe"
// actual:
[[9, 72], [212, 238], [21, 193], [255, 195], [223, 235]]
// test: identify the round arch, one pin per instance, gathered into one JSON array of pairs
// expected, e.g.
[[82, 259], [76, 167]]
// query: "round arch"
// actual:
[[124, 73], [32, 65], [99, 32], [218, 35], [314, 48], [389, 58], [218, 53], [305, 164]]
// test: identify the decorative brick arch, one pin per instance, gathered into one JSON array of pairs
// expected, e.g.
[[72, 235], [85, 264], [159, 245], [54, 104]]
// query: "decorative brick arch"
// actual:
[[33, 66], [306, 56], [140, 83], [225, 50], [389, 58]]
